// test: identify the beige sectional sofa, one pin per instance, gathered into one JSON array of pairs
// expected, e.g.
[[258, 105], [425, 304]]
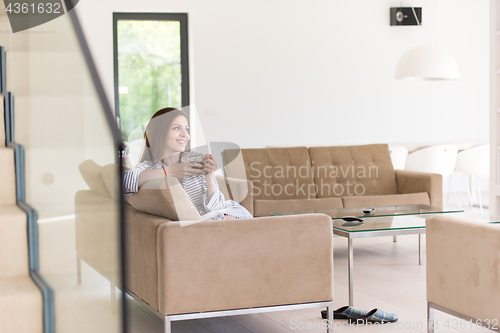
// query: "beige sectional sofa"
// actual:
[[318, 178], [183, 270]]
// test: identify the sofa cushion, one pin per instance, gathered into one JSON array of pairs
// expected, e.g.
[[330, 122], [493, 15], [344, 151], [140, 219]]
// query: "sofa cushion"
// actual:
[[386, 200], [353, 170], [164, 197], [276, 173], [91, 173], [110, 176], [266, 207]]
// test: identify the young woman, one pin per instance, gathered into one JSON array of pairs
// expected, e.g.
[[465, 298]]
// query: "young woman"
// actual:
[[164, 154]]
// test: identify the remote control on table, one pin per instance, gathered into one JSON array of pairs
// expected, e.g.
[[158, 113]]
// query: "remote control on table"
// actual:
[[352, 221]]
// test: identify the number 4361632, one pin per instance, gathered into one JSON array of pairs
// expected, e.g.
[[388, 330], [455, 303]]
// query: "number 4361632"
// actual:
[[40, 8]]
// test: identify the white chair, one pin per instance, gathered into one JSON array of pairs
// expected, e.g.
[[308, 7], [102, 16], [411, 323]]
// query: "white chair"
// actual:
[[398, 156], [436, 159], [475, 162]]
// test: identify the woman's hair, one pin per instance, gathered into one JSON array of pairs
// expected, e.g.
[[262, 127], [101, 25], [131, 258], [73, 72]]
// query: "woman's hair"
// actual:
[[156, 133]]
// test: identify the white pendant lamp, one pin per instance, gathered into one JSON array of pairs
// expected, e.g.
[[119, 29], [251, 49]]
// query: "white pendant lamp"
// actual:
[[427, 62]]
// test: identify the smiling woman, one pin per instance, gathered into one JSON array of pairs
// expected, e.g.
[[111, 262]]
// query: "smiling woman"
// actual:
[[164, 155], [164, 129]]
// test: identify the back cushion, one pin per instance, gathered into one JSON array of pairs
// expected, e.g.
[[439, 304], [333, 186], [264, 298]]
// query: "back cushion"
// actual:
[[164, 197], [341, 171], [91, 173], [276, 173], [111, 179]]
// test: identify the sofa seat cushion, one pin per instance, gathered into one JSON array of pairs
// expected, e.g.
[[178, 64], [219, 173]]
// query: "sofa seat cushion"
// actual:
[[266, 207], [360, 170], [386, 200], [275, 173], [164, 197]]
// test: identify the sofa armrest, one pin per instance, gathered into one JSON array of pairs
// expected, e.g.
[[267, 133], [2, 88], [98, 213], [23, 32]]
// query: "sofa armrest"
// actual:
[[463, 266], [239, 190], [233, 264], [97, 233], [141, 253], [415, 182]]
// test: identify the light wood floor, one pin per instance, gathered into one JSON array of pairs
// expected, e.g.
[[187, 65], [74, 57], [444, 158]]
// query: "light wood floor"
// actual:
[[386, 276]]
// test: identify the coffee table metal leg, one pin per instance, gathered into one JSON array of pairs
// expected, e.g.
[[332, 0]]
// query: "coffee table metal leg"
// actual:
[[420, 249], [430, 319], [351, 273]]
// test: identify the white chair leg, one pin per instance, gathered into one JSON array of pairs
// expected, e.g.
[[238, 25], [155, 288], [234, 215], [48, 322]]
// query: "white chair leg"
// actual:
[[394, 238], [454, 193], [456, 198], [449, 188], [461, 181], [430, 319], [480, 199], [468, 191]]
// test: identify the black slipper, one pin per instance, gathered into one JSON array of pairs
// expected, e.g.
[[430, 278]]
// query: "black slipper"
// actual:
[[346, 313]]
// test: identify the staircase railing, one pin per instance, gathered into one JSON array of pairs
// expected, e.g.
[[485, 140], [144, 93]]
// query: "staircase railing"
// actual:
[[31, 214]]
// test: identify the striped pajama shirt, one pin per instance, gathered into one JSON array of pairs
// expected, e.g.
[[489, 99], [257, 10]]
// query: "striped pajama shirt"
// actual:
[[195, 187]]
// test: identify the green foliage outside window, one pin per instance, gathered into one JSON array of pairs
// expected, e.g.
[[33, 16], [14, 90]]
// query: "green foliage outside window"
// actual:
[[149, 66]]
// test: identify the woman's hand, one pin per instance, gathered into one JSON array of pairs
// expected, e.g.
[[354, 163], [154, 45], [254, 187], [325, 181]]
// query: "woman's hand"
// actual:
[[183, 170], [209, 166]]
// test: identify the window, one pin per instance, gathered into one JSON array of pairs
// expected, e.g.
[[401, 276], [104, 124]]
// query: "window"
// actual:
[[150, 67]]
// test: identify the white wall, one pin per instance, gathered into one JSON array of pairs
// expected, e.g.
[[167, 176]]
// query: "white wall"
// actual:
[[319, 72]]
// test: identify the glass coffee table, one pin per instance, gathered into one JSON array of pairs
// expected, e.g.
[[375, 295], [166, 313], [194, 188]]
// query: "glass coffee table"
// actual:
[[382, 221]]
